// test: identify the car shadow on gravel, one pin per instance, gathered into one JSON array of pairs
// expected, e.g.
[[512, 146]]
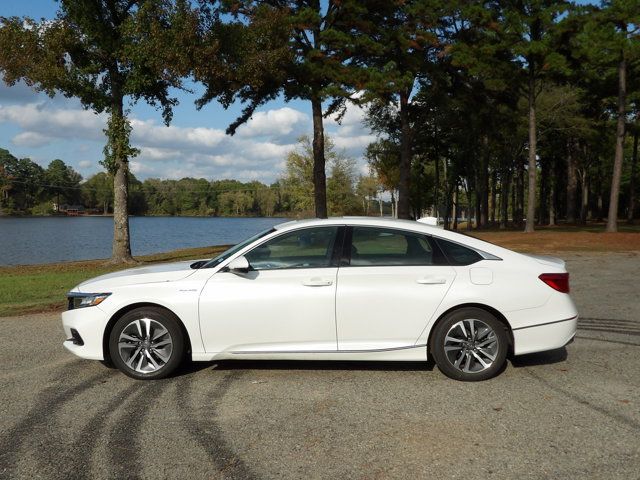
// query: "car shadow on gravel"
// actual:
[[239, 365], [542, 358]]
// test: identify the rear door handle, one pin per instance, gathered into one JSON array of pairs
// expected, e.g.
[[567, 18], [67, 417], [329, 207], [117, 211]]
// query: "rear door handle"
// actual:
[[317, 282], [432, 280]]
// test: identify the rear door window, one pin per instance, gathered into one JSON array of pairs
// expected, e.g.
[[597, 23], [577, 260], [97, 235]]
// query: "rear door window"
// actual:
[[371, 246]]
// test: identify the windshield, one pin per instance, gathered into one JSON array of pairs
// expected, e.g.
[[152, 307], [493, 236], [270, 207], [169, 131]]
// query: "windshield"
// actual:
[[236, 248]]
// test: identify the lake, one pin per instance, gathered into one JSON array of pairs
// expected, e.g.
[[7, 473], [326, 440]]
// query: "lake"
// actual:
[[32, 240]]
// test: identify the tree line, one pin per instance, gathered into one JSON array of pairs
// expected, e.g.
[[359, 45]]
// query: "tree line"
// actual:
[[519, 110], [29, 189]]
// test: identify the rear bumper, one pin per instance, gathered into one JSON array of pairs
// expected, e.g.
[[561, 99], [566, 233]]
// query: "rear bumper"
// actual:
[[545, 336]]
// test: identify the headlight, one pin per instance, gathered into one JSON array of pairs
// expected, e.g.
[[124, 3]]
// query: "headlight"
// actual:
[[81, 300]]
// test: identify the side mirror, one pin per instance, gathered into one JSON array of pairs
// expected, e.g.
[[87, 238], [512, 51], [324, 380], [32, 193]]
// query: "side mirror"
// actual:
[[239, 265]]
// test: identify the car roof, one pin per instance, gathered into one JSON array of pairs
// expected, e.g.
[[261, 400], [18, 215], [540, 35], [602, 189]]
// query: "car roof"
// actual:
[[374, 221], [411, 225]]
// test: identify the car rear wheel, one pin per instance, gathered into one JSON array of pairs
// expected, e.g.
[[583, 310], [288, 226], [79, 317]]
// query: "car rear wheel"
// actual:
[[147, 343], [470, 344]]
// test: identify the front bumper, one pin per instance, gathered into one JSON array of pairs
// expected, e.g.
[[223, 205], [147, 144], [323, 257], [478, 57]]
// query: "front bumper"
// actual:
[[89, 323]]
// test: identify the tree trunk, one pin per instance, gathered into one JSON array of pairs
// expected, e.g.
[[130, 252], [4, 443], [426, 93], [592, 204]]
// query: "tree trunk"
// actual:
[[494, 196], [572, 183], [612, 217], [469, 207], [455, 207], [552, 197], [599, 200], [405, 158], [504, 200], [436, 184], [394, 213], [542, 208], [518, 205], [531, 200], [319, 174], [483, 186], [584, 204], [632, 180], [121, 252], [478, 207]]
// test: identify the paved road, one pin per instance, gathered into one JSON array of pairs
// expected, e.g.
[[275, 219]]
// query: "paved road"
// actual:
[[573, 413]]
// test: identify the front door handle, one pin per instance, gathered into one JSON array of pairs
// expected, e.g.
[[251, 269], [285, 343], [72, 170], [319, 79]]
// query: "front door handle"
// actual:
[[317, 282], [432, 280]]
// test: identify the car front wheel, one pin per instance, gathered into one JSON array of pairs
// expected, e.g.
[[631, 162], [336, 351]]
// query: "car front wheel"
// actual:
[[470, 344], [147, 343]]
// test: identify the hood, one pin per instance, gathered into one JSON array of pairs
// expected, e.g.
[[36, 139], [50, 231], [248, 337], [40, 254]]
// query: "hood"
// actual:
[[545, 260], [163, 272]]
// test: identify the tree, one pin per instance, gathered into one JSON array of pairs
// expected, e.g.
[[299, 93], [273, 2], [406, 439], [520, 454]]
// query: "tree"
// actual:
[[104, 53], [397, 41], [266, 199], [530, 27], [620, 35], [277, 47], [340, 185], [383, 158], [367, 189], [297, 181], [607, 48], [22, 182], [97, 192], [62, 180]]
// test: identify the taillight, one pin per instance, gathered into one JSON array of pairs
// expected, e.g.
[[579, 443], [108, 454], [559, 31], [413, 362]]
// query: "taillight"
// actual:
[[557, 281]]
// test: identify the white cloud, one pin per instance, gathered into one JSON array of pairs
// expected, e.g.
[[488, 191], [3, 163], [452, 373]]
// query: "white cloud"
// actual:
[[149, 134], [352, 142], [266, 150], [161, 154], [31, 139], [139, 168], [54, 122], [275, 123], [258, 151]]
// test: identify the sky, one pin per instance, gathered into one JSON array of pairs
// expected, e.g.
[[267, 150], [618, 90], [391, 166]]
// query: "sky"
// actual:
[[195, 144], [43, 129]]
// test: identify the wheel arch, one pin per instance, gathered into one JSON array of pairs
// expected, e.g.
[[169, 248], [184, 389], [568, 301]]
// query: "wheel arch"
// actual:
[[496, 313], [116, 316]]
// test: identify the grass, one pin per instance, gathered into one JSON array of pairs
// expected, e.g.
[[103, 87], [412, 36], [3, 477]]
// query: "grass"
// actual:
[[41, 288]]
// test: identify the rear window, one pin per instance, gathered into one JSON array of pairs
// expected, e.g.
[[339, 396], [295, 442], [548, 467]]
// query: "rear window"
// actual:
[[457, 254]]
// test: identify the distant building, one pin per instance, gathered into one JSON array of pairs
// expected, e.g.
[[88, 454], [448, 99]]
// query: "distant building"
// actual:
[[72, 210]]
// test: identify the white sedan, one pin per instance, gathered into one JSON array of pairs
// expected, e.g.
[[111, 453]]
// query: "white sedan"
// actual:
[[336, 289]]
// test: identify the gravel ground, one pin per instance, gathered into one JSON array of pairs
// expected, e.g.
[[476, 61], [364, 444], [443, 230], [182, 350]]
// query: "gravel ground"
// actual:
[[571, 413]]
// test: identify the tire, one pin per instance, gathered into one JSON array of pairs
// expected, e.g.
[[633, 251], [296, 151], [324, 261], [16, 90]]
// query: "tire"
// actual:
[[147, 343], [466, 356]]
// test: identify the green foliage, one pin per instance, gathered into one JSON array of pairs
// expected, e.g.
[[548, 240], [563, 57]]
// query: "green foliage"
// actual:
[[22, 182], [297, 182], [118, 146], [97, 192], [251, 51]]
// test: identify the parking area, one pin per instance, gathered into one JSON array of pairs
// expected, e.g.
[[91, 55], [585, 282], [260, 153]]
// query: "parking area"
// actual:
[[570, 413]]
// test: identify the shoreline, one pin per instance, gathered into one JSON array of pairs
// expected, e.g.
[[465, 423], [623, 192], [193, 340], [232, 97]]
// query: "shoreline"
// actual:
[[39, 288]]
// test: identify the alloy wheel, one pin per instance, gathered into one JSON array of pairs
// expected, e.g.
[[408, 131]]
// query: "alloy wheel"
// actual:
[[471, 345], [145, 345]]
